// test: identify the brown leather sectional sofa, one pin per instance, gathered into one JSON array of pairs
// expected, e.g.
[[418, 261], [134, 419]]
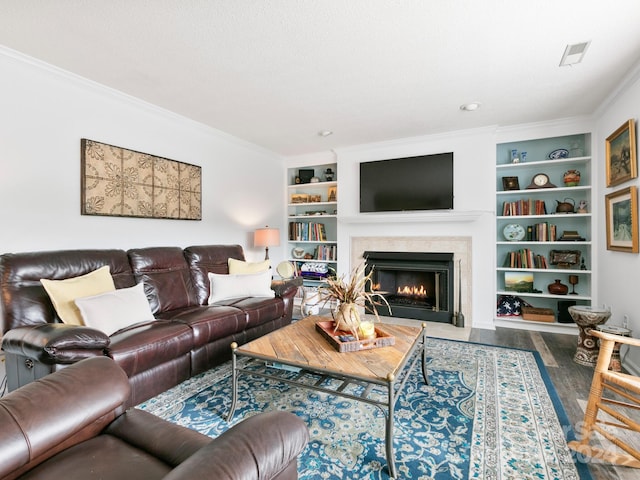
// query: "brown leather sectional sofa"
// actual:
[[85, 432], [188, 337]]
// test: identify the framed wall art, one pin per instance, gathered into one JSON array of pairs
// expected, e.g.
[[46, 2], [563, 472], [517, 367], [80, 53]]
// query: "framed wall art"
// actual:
[[119, 182], [621, 154], [622, 220]]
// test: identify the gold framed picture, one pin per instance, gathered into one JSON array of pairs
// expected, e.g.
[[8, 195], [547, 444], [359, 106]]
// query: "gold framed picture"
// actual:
[[622, 220], [299, 198], [621, 154], [332, 195]]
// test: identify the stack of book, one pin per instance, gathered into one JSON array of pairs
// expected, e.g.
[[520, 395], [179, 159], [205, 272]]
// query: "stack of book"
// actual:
[[571, 236]]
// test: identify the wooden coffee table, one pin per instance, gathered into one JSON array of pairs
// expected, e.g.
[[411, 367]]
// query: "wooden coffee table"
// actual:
[[299, 347]]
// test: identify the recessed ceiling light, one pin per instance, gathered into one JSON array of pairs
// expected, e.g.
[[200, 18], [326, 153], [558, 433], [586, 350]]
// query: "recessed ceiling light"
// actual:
[[470, 107], [574, 53], [325, 133]]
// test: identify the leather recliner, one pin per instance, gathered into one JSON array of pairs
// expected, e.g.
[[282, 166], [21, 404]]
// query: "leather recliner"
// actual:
[[73, 424]]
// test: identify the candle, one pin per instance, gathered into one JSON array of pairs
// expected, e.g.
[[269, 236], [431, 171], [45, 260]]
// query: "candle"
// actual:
[[367, 330]]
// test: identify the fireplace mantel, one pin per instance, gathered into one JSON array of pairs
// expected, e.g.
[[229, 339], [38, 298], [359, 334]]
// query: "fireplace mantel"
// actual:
[[408, 217]]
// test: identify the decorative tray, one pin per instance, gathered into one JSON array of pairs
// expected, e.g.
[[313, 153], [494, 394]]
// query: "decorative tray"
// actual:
[[339, 342]]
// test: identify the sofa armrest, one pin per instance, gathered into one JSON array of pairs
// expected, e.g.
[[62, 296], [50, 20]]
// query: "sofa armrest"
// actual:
[[58, 411], [54, 343], [284, 288], [170, 442], [260, 447]]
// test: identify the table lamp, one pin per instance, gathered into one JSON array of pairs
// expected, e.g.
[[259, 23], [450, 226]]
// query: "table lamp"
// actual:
[[266, 237]]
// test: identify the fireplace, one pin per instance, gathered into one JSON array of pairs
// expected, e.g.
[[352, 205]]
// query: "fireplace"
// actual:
[[417, 285]]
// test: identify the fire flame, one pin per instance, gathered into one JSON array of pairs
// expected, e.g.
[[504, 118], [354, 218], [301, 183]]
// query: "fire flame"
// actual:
[[413, 291], [407, 290]]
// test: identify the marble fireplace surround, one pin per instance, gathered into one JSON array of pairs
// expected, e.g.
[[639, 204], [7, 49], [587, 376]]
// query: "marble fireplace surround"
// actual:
[[460, 246]]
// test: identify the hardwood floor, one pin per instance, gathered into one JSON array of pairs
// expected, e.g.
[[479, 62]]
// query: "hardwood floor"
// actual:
[[572, 381]]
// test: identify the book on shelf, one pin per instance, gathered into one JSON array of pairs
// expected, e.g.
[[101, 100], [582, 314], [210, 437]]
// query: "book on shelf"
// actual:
[[524, 207], [307, 231], [525, 258], [325, 252], [541, 232]]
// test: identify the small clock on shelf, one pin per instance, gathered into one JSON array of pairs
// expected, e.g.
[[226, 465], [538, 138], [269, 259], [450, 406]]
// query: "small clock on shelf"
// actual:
[[514, 232], [541, 180]]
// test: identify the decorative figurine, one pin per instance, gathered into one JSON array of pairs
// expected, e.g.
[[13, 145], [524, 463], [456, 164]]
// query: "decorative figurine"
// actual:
[[582, 206]]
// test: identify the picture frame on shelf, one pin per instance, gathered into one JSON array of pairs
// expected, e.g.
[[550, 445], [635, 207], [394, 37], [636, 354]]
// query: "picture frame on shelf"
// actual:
[[299, 198], [332, 195], [510, 183], [621, 209], [620, 159], [564, 258], [521, 282]]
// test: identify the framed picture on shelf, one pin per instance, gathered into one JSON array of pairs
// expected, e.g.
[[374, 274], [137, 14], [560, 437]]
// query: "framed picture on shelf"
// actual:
[[622, 220], [332, 195], [299, 198], [621, 154], [518, 282], [510, 183]]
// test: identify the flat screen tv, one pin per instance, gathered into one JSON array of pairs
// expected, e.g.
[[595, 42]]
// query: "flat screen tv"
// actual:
[[424, 182]]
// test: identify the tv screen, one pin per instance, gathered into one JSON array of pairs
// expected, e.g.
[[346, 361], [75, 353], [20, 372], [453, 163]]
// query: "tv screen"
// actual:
[[405, 184]]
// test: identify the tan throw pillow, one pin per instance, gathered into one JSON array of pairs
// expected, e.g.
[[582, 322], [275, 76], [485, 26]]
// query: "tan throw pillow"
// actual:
[[63, 292], [238, 267], [113, 311], [225, 287]]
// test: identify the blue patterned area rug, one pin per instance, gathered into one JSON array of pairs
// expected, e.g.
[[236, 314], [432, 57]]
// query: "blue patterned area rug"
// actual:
[[487, 413]]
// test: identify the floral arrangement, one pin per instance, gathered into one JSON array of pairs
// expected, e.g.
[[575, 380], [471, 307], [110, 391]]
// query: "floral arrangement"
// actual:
[[350, 295]]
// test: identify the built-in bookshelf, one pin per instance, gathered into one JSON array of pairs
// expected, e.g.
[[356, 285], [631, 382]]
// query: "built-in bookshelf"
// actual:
[[312, 205], [537, 238]]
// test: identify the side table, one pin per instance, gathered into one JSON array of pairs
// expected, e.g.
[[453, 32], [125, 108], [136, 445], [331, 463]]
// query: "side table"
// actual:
[[587, 318]]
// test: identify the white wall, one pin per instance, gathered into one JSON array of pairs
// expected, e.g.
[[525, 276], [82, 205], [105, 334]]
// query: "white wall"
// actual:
[[618, 279], [474, 178], [44, 112]]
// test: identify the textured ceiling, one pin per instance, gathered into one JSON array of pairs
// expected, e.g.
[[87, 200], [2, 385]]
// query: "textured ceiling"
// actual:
[[276, 72]]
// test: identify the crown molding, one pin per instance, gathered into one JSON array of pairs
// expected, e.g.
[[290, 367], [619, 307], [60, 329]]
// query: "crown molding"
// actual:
[[130, 100]]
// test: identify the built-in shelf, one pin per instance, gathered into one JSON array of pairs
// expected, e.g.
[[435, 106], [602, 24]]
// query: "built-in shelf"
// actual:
[[513, 172]]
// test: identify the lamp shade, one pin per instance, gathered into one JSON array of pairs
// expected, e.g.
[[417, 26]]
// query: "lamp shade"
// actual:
[[266, 237]]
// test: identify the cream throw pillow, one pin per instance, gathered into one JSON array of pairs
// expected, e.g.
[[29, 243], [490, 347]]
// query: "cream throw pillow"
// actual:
[[224, 287], [63, 292], [112, 311], [237, 267]]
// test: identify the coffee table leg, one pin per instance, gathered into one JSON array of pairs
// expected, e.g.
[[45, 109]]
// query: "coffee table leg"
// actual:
[[389, 434], [234, 382]]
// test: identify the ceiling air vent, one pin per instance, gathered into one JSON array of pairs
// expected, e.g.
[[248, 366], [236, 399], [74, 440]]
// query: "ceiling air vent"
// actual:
[[574, 53]]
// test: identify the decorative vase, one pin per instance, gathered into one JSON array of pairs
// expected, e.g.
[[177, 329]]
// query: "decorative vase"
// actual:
[[571, 178], [347, 318], [558, 288]]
